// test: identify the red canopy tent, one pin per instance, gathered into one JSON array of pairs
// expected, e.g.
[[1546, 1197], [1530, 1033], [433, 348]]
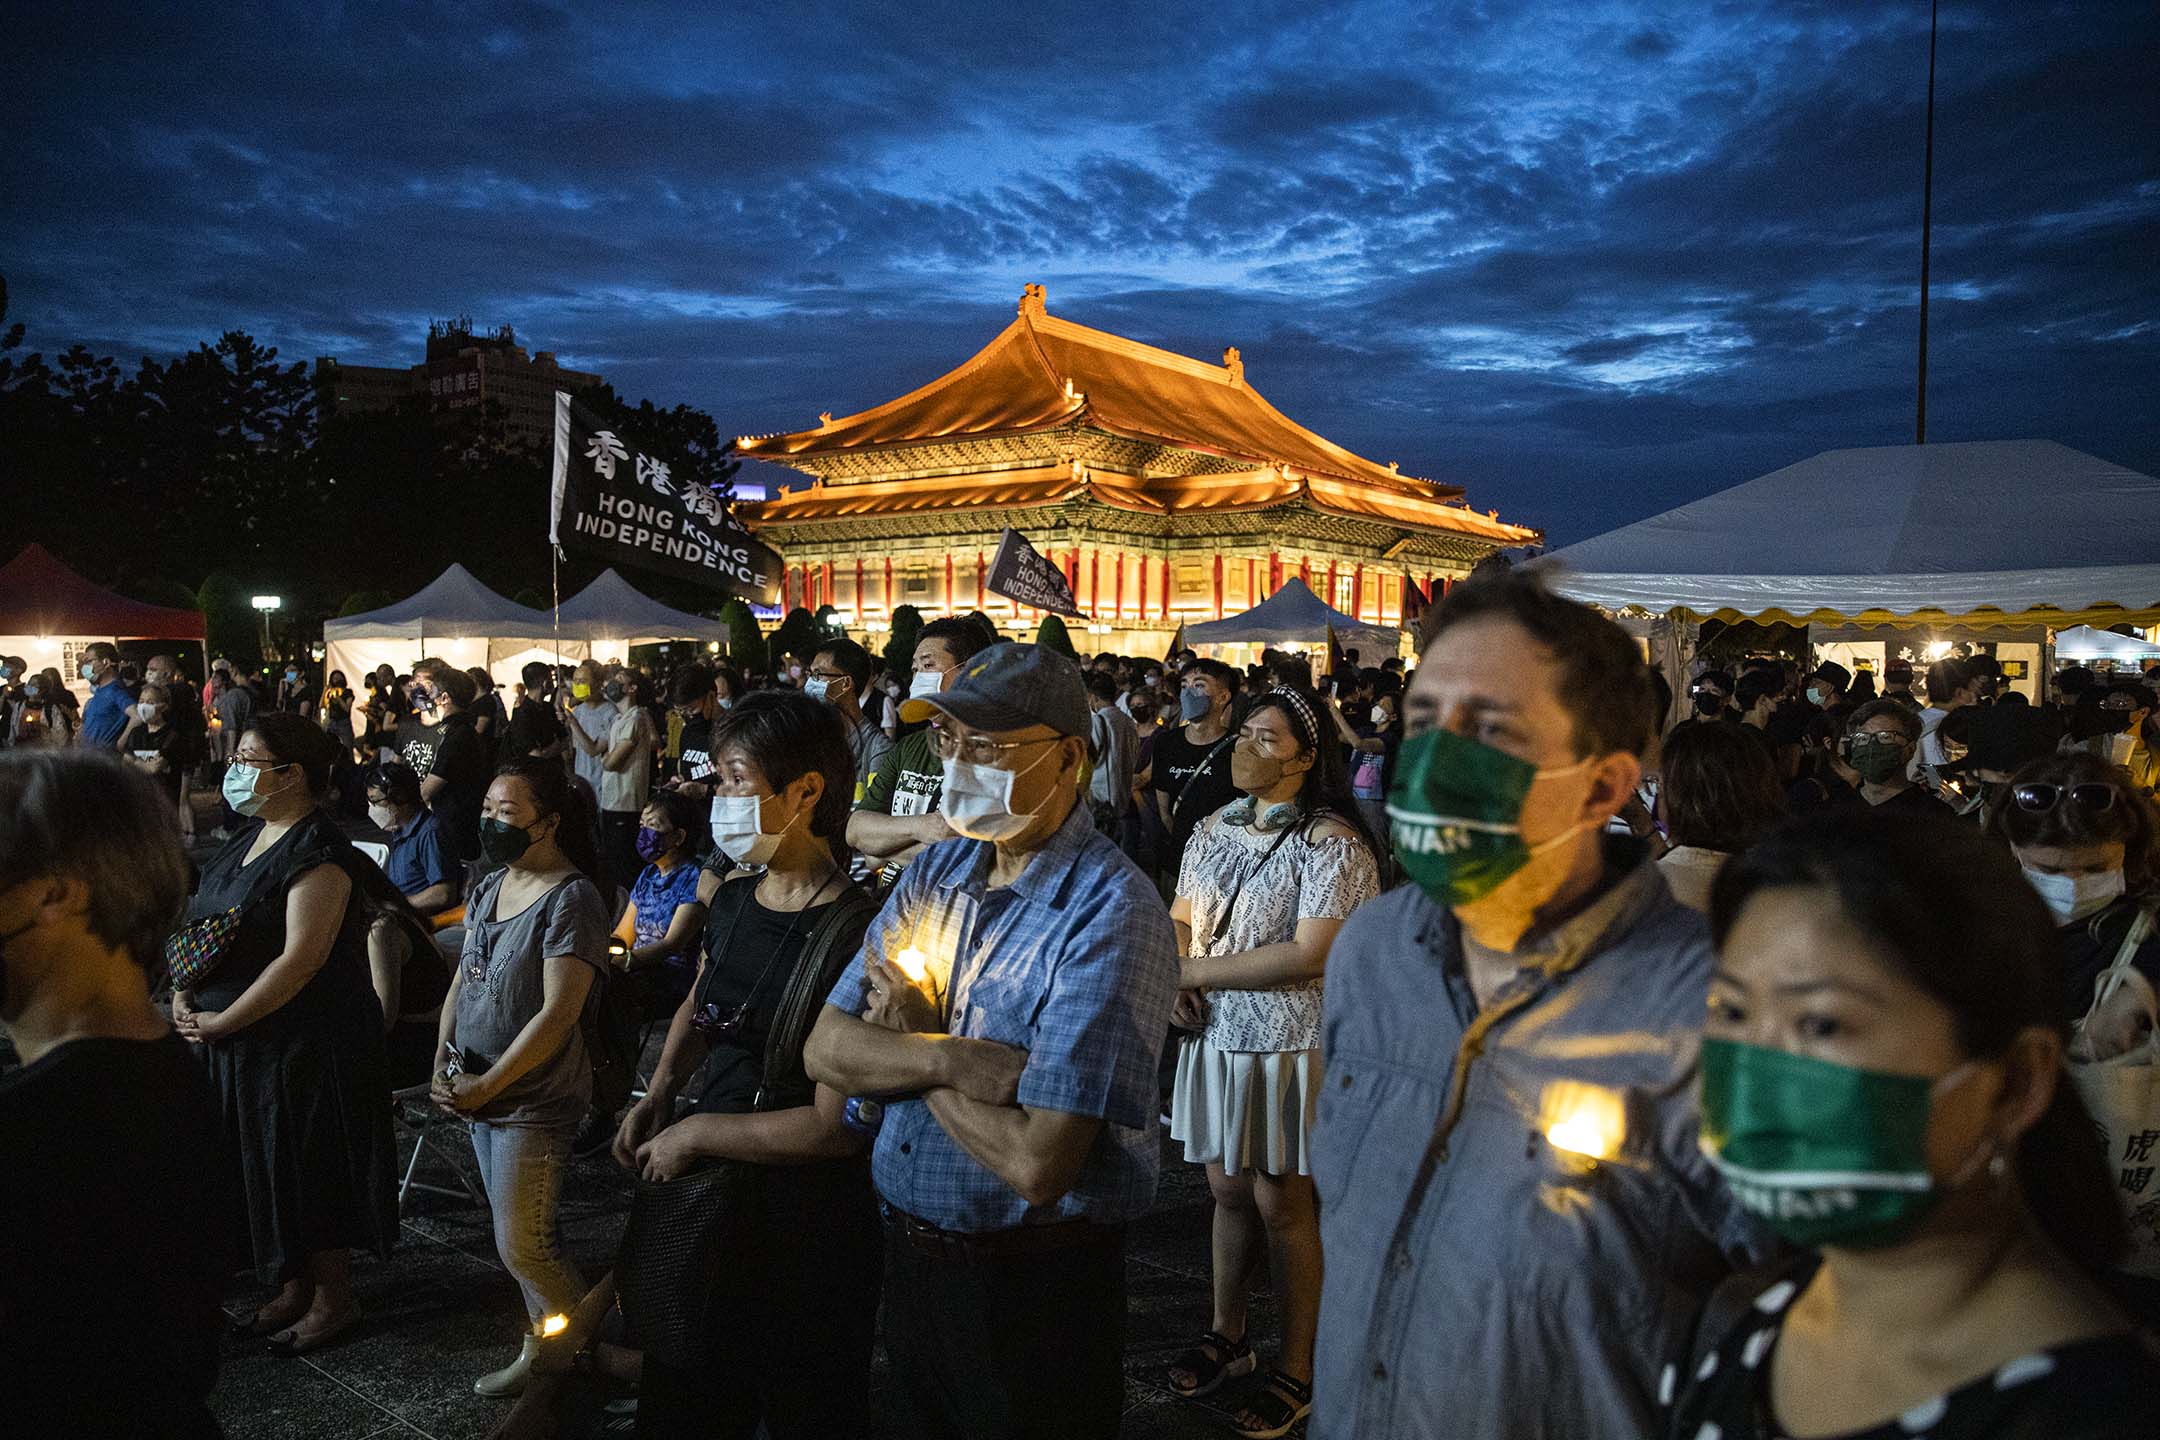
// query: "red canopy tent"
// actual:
[[39, 596]]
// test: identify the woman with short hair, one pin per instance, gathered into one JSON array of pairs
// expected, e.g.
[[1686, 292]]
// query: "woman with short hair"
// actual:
[[511, 1056], [765, 1316], [291, 1035], [1882, 1085], [1265, 884], [1718, 793]]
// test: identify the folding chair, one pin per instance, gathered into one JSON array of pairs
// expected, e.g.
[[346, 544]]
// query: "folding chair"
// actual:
[[418, 1129]]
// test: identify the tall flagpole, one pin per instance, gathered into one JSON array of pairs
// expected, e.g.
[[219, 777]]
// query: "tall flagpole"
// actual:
[[1927, 217]]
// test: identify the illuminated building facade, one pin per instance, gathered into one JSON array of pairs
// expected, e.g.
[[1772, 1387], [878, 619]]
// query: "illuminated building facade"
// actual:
[[1166, 489]]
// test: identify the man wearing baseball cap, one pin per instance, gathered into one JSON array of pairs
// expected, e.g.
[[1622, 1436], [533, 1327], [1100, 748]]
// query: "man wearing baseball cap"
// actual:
[[1001, 1029]]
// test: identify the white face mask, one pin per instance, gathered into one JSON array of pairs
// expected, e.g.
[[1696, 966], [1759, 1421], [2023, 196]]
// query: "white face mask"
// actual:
[[738, 829], [383, 816], [1379, 715], [816, 687], [243, 790], [147, 712], [2076, 897], [977, 799], [926, 683]]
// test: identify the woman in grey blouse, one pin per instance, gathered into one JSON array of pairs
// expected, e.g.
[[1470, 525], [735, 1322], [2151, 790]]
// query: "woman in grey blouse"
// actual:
[[512, 1057], [1266, 882]]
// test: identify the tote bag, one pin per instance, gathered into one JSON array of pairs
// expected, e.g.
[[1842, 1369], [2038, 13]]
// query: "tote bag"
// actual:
[[2122, 1092]]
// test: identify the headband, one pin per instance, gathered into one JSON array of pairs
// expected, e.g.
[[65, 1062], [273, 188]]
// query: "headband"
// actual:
[[1303, 712]]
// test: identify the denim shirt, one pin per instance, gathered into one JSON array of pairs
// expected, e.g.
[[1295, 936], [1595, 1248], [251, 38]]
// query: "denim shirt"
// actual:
[[1075, 962], [1482, 1283]]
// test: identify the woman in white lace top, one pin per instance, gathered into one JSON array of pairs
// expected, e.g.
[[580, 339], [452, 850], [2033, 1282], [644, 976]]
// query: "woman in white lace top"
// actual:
[[1265, 884]]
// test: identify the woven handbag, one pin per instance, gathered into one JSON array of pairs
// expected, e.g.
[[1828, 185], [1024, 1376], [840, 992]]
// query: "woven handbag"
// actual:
[[682, 1231], [197, 948]]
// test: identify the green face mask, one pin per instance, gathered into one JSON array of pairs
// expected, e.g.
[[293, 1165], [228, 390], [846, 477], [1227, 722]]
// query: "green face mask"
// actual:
[[1878, 761], [1455, 810], [1824, 1154]]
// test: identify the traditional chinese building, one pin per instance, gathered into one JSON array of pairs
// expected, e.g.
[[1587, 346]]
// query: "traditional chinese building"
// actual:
[[1166, 488]]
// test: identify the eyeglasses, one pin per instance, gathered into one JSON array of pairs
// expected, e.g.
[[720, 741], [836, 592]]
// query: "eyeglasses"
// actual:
[[979, 749], [259, 762], [2041, 796]]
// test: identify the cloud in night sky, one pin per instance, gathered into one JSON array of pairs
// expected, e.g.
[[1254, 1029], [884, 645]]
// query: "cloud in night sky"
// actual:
[[1587, 260]]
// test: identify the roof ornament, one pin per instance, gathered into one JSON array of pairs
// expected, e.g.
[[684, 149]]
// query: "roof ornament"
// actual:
[[824, 419], [1235, 364], [1032, 300], [1394, 467], [1073, 397]]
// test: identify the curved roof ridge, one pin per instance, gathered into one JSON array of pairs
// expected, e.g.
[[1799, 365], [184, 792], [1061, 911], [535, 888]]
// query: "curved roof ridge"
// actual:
[[969, 366]]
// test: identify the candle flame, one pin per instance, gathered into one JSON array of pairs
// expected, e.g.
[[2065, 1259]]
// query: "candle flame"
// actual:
[[913, 964], [554, 1325], [1584, 1120]]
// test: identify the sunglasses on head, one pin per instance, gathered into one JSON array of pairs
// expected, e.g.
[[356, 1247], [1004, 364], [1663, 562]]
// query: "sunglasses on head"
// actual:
[[2042, 796]]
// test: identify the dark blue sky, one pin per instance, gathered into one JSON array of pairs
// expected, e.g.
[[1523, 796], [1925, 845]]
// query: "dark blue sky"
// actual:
[[1588, 260]]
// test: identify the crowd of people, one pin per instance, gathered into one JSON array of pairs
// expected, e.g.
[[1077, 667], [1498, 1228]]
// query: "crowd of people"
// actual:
[[1561, 1070]]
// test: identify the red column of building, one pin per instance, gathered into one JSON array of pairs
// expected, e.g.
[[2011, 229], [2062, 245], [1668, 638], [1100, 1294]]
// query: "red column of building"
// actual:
[[1144, 568], [1252, 582], [982, 575], [1274, 571], [948, 581], [887, 596], [862, 608], [1357, 593], [1166, 587], [1304, 570], [1218, 587], [1117, 578], [832, 585]]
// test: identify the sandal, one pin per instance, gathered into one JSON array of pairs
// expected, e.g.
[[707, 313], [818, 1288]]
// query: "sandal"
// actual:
[[290, 1344], [1213, 1360], [1275, 1409]]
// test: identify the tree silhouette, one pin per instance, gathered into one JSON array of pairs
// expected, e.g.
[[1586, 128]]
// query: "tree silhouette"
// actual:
[[745, 642], [1051, 635], [907, 624], [797, 636]]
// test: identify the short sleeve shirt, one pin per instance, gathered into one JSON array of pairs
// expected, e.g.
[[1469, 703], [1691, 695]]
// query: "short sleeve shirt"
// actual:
[[105, 716], [416, 858], [908, 781], [627, 788], [503, 988], [1075, 962], [1180, 766], [461, 760], [1267, 882]]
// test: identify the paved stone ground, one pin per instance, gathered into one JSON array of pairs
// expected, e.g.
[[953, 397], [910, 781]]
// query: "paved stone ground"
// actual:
[[442, 1310]]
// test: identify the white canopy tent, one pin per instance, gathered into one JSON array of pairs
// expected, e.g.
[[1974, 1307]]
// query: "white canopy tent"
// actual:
[[1294, 615], [611, 614], [2083, 643], [455, 618], [2009, 532]]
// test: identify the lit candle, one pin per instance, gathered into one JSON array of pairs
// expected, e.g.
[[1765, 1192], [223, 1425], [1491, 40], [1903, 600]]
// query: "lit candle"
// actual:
[[913, 964], [1584, 1120], [554, 1325]]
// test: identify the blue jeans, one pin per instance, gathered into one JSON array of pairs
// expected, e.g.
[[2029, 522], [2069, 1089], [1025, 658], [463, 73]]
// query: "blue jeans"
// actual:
[[522, 1168]]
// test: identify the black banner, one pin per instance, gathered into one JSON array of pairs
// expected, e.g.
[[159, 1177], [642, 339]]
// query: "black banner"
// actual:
[[627, 507], [1024, 577]]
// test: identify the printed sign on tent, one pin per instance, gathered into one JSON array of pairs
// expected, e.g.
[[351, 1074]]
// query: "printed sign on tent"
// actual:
[[1024, 577], [627, 507]]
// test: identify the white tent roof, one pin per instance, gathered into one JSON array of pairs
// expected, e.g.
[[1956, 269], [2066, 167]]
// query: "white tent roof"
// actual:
[[454, 605], [1294, 615], [2082, 642], [611, 608], [2005, 525]]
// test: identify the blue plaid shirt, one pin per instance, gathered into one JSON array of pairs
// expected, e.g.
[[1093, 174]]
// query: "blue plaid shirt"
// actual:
[[1075, 962]]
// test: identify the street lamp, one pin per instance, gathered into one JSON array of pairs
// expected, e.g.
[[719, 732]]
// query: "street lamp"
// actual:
[[266, 604]]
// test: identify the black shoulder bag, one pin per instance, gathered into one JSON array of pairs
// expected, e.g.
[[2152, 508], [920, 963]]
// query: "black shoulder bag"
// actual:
[[682, 1231]]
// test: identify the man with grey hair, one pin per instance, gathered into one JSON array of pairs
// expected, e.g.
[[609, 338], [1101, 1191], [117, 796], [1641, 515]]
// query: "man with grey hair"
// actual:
[[114, 1258]]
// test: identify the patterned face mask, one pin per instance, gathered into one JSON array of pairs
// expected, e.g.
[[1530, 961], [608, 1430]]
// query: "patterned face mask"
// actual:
[[1456, 813]]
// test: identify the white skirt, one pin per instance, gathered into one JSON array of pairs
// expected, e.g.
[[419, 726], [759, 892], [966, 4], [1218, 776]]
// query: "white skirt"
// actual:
[[1245, 1110]]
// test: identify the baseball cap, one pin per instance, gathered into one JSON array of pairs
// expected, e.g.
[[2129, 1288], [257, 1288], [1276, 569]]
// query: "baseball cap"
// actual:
[[1011, 686]]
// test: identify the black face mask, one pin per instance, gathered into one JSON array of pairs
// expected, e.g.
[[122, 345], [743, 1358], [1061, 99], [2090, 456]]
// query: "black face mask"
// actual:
[[1708, 705], [612, 692]]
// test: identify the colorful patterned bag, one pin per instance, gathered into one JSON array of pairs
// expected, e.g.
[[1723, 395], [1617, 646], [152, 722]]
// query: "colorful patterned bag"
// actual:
[[197, 948]]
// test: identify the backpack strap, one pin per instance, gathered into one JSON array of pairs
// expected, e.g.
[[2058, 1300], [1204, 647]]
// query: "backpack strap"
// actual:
[[828, 950]]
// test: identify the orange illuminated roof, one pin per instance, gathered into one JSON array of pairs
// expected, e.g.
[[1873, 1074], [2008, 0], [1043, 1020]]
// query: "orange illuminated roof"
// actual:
[[1162, 495], [1044, 373]]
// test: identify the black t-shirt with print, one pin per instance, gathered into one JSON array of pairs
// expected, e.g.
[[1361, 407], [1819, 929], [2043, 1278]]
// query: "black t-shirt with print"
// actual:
[[694, 758], [461, 762], [1180, 766], [167, 742]]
